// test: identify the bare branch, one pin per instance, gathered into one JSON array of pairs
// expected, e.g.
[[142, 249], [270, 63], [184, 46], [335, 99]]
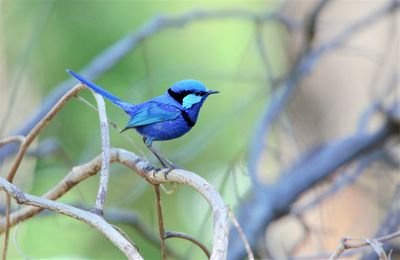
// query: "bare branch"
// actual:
[[105, 166], [171, 234], [152, 175], [272, 202], [310, 27], [92, 219], [11, 139], [250, 255], [39, 126], [303, 66], [131, 218], [263, 55], [351, 243], [343, 180], [160, 222], [23, 59], [389, 225], [7, 140], [26, 142]]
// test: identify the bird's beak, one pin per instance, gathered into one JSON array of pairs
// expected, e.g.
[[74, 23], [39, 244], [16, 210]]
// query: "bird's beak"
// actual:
[[212, 92]]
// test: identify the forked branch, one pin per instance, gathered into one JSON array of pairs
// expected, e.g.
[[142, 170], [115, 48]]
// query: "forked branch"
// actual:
[[153, 176]]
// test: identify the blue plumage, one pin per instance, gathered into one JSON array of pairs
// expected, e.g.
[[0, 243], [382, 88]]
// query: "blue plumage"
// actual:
[[165, 117]]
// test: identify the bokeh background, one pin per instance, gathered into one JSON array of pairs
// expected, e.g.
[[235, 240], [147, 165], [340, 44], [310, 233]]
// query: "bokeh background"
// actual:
[[39, 40]]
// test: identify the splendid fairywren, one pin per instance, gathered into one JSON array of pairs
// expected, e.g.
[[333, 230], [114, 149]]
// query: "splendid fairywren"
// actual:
[[165, 117]]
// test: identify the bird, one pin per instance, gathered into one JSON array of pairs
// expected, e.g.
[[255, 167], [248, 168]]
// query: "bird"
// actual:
[[161, 118]]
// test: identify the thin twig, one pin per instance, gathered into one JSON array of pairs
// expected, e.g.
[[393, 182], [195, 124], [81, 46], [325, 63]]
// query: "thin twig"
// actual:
[[306, 62], [346, 243], [113, 124], [160, 222], [26, 142], [105, 165], [11, 139], [7, 234], [38, 127], [127, 217], [23, 59], [92, 219], [152, 175], [235, 222], [171, 234], [131, 218], [261, 214], [310, 27], [263, 54], [268, 204]]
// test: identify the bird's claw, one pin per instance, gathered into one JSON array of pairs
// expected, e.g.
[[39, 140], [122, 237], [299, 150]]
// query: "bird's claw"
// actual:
[[168, 170]]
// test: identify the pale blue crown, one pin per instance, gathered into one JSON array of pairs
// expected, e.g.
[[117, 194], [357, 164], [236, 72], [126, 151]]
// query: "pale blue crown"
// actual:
[[188, 85]]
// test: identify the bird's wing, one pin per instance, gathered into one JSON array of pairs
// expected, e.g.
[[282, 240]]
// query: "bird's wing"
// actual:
[[152, 112]]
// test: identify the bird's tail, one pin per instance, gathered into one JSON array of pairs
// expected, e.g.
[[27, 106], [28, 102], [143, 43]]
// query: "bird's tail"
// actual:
[[125, 106]]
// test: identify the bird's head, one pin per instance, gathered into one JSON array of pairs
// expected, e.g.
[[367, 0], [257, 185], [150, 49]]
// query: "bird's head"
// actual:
[[189, 92]]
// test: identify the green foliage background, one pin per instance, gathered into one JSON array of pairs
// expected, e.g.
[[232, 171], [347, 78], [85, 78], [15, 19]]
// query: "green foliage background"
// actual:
[[51, 36]]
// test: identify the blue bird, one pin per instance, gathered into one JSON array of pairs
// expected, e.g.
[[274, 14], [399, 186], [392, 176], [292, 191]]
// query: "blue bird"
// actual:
[[165, 117]]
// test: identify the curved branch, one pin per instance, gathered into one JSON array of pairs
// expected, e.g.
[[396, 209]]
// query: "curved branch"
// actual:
[[38, 127], [87, 217], [268, 204], [351, 243], [26, 142], [152, 175], [172, 234]]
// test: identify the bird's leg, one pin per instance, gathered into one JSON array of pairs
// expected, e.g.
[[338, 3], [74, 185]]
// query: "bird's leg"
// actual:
[[164, 161]]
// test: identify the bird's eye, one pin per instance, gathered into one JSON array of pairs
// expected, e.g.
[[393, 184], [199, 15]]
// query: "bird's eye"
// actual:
[[197, 93]]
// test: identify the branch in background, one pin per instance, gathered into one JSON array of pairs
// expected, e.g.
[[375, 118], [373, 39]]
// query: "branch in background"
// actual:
[[268, 204], [310, 27], [377, 104], [39, 126], [10, 139], [113, 54], [23, 59], [153, 176], [26, 142], [170, 234], [235, 222], [390, 224], [344, 179], [128, 217], [120, 216], [351, 243], [280, 96], [301, 68], [92, 219], [263, 55], [105, 165]]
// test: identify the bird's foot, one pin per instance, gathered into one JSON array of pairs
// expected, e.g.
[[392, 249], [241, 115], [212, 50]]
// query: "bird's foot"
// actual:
[[168, 170]]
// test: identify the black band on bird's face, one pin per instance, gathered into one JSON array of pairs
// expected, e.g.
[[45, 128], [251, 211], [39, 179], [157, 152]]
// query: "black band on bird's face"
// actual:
[[187, 119], [179, 96]]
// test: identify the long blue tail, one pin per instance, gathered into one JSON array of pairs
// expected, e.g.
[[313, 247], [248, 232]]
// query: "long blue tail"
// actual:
[[125, 106]]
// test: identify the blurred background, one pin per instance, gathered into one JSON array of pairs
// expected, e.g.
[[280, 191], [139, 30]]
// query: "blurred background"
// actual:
[[249, 51]]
